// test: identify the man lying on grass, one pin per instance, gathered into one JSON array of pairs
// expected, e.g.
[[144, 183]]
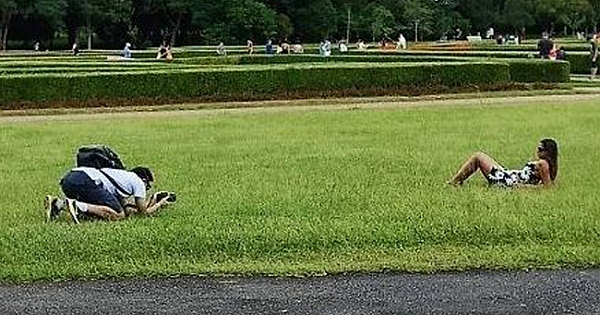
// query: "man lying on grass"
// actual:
[[103, 193], [540, 172]]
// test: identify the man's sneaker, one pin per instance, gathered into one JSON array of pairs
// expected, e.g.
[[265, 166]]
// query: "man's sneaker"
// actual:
[[53, 207], [73, 210]]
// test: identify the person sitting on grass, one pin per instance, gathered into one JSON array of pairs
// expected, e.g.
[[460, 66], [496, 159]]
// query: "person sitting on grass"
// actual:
[[103, 194], [540, 172], [163, 51]]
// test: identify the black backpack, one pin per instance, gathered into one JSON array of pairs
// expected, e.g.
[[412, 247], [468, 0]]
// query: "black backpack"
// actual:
[[98, 156]]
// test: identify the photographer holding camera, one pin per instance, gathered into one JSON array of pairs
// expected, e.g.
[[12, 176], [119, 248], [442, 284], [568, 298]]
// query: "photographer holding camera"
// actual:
[[105, 192]]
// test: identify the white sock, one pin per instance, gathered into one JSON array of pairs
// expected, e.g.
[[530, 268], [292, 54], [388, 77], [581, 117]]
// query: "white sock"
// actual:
[[60, 203], [82, 206]]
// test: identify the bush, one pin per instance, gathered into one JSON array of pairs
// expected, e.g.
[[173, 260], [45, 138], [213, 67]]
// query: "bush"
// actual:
[[521, 70], [555, 72], [466, 53], [548, 71], [577, 46], [317, 77], [248, 82], [580, 62]]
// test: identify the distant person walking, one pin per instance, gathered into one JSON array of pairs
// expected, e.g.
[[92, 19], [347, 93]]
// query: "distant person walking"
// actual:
[[127, 51], [593, 56], [401, 42], [249, 47], [221, 51], [75, 49], [544, 46], [269, 48]]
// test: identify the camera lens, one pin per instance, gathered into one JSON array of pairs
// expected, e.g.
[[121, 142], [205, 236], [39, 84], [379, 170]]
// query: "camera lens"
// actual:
[[161, 195]]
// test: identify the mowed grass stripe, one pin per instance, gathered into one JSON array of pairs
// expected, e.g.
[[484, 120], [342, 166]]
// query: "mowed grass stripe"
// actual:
[[303, 192]]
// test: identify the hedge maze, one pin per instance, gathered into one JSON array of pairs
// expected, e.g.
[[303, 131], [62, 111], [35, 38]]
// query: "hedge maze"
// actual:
[[102, 79]]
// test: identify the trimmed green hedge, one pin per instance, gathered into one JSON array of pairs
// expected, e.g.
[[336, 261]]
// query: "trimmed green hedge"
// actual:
[[317, 77], [86, 63], [466, 53], [580, 62], [530, 47], [247, 82], [541, 70], [547, 71], [521, 70], [59, 70]]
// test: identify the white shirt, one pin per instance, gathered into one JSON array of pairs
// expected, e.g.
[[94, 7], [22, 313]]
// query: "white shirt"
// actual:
[[129, 181]]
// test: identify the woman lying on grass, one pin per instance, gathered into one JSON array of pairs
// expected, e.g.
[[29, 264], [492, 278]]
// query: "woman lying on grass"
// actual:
[[540, 172]]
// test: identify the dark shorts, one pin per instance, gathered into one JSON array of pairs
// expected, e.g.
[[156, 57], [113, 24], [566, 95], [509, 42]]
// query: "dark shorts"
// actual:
[[77, 185]]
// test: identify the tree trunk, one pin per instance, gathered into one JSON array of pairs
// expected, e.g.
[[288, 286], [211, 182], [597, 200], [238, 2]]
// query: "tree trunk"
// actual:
[[72, 32], [4, 25], [2, 45], [176, 29], [89, 31]]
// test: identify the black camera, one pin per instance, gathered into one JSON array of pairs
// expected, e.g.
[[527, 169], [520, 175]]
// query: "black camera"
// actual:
[[171, 197]]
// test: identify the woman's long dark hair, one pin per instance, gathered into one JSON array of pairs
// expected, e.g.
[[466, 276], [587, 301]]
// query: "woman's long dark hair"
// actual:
[[550, 146]]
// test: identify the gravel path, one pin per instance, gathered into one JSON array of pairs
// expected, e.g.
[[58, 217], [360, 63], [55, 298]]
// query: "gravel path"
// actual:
[[477, 292]]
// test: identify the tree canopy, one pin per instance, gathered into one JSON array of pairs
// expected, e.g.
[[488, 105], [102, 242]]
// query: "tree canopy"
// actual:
[[111, 23]]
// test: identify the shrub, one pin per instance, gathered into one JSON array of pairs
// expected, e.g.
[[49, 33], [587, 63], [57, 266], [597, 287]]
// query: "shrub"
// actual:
[[580, 62], [529, 71], [246, 82], [521, 70], [466, 53]]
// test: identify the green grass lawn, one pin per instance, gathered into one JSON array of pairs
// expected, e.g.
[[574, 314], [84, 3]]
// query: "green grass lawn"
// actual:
[[297, 192]]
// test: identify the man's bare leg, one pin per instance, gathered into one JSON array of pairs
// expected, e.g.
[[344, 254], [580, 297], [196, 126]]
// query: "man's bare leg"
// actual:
[[102, 212]]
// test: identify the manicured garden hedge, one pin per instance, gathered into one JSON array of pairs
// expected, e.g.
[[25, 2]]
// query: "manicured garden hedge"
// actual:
[[488, 46], [59, 70], [530, 71], [580, 62], [39, 67], [247, 82], [521, 70], [433, 53]]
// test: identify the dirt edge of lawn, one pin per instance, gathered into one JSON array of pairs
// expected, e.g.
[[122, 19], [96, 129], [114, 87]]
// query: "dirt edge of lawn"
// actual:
[[381, 102]]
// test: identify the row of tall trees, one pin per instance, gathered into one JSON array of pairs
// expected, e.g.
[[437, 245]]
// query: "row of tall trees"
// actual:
[[196, 22]]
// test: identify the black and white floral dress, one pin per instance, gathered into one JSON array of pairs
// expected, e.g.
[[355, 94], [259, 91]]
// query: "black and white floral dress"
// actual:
[[509, 178]]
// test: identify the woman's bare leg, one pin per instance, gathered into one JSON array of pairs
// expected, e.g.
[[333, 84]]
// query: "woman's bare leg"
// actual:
[[477, 161]]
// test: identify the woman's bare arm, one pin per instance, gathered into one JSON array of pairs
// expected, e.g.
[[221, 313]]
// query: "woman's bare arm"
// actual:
[[543, 170]]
